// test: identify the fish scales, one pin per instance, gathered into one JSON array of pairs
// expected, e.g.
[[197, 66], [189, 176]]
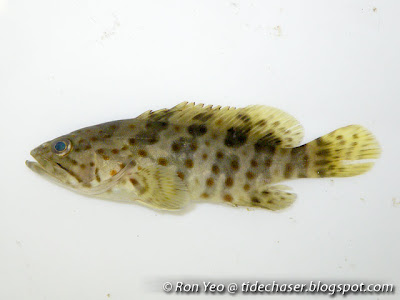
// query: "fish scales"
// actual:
[[164, 159]]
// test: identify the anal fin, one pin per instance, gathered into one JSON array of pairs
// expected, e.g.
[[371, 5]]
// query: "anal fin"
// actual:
[[275, 197]]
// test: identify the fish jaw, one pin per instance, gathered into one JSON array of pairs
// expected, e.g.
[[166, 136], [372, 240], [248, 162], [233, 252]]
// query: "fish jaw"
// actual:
[[50, 170], [36, 167]]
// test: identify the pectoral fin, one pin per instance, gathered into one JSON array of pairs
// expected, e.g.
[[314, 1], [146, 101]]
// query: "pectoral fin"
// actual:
[[159, 187]]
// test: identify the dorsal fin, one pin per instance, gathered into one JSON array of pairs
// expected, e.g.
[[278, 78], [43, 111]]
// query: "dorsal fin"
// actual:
[[257, 122]]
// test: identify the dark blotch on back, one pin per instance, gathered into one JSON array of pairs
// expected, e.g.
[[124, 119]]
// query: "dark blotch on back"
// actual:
[[264, 146], [156, 125], [236, 137], [197, 129], [267, 142], [158, 120], [147, 137]]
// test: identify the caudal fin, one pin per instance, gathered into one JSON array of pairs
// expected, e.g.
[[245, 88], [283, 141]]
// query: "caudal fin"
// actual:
[[345, 152]]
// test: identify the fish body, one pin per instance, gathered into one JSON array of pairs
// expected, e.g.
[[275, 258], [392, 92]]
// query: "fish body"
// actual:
[[164, 159]]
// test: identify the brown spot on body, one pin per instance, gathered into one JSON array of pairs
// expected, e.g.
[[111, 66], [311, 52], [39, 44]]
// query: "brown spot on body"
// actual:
[[91, 164], [83, 166], [255, 200], [162, 161], [228, 198], [250, 175], [204, 156], [105, 157], [210, 182], [142, 153], [132, 141], [189, 163], [124, 148], [180, 175], [122, 165], [74, 162], [113, 172], [115, 151], [176, 147], [93, 139], [132, 126], [246, 187], [275, 124], [235, 165], [229, 181], [215, 169], [100, 151], [254, 163], [177, 128], [219, 155], [204, 195]]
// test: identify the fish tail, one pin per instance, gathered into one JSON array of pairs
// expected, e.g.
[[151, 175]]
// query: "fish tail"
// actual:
[[345, 152]]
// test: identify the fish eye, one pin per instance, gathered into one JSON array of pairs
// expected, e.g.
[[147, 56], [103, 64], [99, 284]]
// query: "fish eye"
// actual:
[[62, 147]]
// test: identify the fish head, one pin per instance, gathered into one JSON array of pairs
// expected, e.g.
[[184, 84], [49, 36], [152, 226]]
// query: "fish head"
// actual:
[[69, 160]]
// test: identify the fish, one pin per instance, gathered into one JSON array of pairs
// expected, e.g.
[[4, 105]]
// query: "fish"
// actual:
[[168, 158]]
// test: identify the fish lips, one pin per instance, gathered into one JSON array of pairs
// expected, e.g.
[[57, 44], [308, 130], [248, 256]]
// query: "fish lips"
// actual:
[[51, 170]]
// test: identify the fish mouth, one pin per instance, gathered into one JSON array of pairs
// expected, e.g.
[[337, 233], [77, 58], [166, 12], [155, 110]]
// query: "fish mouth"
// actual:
[[45, 168], [35, 167]]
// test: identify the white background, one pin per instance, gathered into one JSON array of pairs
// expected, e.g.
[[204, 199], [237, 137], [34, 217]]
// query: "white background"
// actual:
[[69, 64]]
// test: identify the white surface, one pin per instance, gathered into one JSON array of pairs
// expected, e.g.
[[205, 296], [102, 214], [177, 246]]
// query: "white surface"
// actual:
[[69, 64]]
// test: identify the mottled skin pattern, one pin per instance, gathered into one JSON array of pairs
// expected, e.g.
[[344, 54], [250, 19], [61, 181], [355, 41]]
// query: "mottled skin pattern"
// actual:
[[157, 158]]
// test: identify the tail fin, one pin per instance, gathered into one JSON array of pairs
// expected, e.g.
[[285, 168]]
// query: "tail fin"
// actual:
[[345, 152]]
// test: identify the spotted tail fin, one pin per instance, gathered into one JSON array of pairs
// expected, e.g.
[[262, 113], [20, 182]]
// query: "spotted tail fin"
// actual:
[[345, 152]]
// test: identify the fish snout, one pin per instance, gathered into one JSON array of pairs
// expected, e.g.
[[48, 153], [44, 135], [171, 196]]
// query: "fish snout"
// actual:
[[40, 150]]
